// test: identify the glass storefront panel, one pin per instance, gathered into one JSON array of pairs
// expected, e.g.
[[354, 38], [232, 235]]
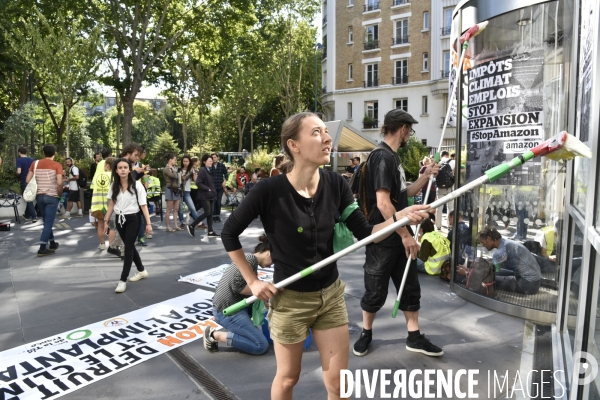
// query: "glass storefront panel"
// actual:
[[516, 89]]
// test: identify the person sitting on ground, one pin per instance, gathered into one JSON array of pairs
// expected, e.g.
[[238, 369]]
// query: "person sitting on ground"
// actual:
[[232, 288], [516, 268], [242, 178], [435, 249], [547, 238], [251, 184], [463, 233]]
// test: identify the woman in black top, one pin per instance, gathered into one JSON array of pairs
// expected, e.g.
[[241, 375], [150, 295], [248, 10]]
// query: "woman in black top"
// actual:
[[298, 211], [207, 194]]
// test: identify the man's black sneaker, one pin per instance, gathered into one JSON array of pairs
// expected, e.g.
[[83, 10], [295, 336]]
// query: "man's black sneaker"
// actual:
[[213, 234], [47, 252], [53, 246], [361, 347], [424, 345], [113, 251], [191, 230]]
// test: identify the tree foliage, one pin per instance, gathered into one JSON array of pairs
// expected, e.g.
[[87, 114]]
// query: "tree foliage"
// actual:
[[410, 155]]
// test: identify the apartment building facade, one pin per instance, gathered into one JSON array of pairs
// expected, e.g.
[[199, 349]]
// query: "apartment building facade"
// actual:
[[385, 54]]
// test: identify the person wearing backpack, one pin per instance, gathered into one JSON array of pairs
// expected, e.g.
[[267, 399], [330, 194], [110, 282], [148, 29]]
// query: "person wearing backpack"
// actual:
[[387, 192], [72, 181], [445, 183]]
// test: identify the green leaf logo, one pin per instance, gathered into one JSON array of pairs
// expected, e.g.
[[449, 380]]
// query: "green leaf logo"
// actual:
[[300, 229]]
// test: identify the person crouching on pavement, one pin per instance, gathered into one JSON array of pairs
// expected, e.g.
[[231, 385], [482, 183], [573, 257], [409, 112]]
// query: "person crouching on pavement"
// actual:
[[242, 334]]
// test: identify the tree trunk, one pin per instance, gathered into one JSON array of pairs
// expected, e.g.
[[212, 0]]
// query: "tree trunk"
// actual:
[[24, 89], [200, 117], [240, 132], [251, 136], [127, 120], [67, 131], [118, 123], [184, 128]]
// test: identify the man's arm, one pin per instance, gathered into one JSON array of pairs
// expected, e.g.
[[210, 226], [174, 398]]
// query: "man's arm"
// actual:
[[59, 184], [385, 206]]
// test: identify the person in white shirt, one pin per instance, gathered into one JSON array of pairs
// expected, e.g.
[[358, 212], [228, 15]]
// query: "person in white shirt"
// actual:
[[127, 199], [73, 175], [441, 192]]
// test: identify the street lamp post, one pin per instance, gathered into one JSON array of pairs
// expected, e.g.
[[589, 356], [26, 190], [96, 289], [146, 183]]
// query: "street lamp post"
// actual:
[[318, 47]]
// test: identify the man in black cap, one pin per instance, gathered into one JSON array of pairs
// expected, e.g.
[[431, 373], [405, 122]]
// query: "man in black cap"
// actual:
[[387, 193]]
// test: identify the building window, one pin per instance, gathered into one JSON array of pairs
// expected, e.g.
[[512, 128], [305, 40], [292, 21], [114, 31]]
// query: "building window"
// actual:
[[372, 75], [425, 61], [350, 3], [447, 27], [424, 142], [424, 106], [372, 37], [371, 119], [401, 35], [349, 110], [111, 101], [401, 72], [350, 35], [371, 5], [350, 75], [446, 63], [401, 104], [426, 21]]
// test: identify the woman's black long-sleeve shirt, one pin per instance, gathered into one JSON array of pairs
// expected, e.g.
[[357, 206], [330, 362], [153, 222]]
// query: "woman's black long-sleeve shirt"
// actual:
[[299, 229]]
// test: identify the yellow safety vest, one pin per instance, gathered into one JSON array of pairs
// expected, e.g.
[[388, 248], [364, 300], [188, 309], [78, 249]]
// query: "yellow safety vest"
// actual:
[[99, 168], [153, 187], [549, 234], [441, 245], [101, 186]]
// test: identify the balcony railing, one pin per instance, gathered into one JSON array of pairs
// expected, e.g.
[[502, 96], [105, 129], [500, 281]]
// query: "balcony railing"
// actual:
[[324, 19], [371, 6], [370, 124], [446, 30], [399, 2], [371, 83], [400, 80], [324, 90], [400, 40], [371, 45], [445, 74]]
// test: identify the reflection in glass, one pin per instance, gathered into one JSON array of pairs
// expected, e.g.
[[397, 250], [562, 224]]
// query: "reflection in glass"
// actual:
[[526, 206]]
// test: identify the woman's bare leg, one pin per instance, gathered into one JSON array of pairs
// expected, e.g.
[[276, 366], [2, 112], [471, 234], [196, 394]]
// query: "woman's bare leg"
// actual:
[[333, 345], [289, 365]]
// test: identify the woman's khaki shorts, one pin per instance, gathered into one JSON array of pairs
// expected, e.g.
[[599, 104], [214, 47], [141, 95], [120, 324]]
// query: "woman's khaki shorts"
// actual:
[[291, 313]]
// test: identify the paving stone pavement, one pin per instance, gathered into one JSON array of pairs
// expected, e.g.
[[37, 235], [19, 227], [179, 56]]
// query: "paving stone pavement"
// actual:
[[40, 297]]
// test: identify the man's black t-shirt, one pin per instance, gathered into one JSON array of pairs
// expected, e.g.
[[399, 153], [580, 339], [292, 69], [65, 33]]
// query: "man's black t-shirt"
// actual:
[[350, 169], [384, 171]]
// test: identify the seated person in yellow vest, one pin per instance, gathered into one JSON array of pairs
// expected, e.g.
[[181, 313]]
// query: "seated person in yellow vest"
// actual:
[[516, 268], [99, 204], [547, 238], [435, 249], [153, 191]]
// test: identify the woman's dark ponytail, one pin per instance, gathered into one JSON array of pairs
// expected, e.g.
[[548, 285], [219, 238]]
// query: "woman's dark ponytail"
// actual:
[[264, 244]]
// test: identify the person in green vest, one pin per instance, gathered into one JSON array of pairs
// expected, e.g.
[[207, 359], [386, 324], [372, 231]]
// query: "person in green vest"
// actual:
[[100, 201], [435, 249], [154, 192], [546, 237]]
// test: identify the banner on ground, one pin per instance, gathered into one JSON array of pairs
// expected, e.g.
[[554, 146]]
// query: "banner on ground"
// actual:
[[55, 366], [211, 278]]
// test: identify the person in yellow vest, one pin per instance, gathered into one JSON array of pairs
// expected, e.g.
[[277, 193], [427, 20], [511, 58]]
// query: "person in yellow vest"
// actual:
[[154, 192], [100, 201], [435, 249], [100, 166], [546, 237]]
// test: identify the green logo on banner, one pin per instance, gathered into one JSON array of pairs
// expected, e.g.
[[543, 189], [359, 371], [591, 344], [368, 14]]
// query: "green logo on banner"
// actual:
[[300, 230], [80, 334]]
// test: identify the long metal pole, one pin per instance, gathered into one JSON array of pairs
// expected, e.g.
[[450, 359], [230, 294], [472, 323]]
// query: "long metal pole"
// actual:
[[316, 78]]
